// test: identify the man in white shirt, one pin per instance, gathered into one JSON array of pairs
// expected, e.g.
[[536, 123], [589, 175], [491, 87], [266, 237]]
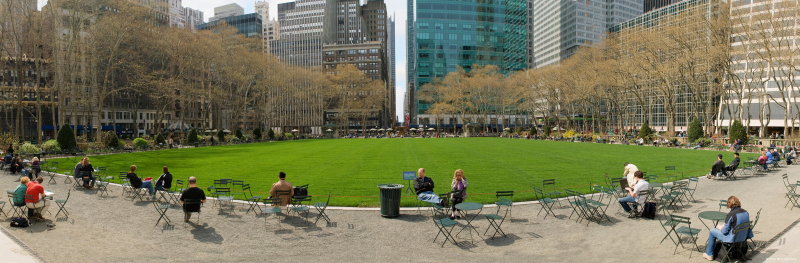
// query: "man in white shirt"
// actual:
[[630, 169], [634, 193]]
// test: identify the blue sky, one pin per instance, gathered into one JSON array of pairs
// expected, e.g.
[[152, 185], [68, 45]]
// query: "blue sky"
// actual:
[[396, 7]]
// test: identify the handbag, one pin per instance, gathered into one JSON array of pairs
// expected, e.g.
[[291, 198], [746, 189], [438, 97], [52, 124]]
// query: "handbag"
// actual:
[[649, 210]]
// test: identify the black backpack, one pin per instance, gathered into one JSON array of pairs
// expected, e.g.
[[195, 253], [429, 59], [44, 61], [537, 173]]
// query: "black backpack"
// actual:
[[19, 222], [649, 210], [300, 191]]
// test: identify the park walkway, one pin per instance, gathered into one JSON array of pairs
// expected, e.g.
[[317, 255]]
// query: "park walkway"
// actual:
[[116, 229], [12, 252]]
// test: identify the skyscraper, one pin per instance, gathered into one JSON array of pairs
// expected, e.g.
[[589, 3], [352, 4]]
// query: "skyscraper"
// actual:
[[300, 39], [650, 5], [447, 34], [176, 16], [262, 9], [228, 10], [248, 25], [561, 27], [192, 17]]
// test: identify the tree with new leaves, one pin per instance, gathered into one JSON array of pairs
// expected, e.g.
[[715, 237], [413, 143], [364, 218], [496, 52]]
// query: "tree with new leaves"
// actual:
[[66, 139], [695, 130], [737, 132]]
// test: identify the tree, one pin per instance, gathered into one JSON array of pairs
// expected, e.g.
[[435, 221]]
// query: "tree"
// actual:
[[239, 134], [737, 132], [645, 132], [221, 136], [695, 130], [160, 139], [110, 139], [257, 134], [271, 134], [192, 137], [66, 138]]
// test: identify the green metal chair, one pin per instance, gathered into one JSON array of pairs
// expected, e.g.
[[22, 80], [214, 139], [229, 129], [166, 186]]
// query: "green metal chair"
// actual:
[[496, 220], [753, 226], [504, 199], [321, 207], [162, 211], [737, 250], [445, 225], [252, 200], [299, 206], [544, 201], [683, 227], [61, 203], [3, 208], [271, 207], [194, 202], [553, 193], [224, 199]]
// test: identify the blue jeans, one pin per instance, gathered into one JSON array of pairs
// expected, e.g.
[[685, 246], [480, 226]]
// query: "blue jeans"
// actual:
[[713, 235], [149, 186], [624, 202], [429, 197]]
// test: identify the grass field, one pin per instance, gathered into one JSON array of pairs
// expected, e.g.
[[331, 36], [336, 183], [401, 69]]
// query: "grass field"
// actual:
[[351, 169]]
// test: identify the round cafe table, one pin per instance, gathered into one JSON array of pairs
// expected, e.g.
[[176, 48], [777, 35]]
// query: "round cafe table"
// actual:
[[465, 209], [714, 216]]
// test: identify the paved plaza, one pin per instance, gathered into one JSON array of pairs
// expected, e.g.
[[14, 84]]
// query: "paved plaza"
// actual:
[[116, 229]]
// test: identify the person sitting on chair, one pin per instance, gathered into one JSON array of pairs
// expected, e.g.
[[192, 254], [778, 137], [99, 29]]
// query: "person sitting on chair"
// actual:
[[19, 192], [16, 165], [86, 171], [633, 193], [630, 169], [790, 156], [424, 188], [733, 165], [724, 232], [718, 169], [164, 182], [35, 199], [192, 193], [282, 185], [36, 167], [459, 187], [137, 182], [763, 159]]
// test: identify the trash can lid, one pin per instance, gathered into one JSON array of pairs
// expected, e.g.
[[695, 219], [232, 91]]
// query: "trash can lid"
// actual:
[[391, 186]]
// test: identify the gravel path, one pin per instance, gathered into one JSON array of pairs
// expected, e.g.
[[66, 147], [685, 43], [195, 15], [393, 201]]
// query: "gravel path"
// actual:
[[117, 229]]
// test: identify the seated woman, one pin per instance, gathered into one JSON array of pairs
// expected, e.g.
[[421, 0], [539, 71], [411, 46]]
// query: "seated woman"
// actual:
[[85, 172], [19, 192], [459, 187], [36, 167], [137, 182], [16, 165], [724, 233], [762, 160]]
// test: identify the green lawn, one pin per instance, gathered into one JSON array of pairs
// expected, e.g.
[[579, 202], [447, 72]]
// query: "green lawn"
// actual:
[[351, 169]]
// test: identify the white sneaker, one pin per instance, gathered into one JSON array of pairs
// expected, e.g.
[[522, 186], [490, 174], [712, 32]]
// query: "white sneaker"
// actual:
[[708, 257]]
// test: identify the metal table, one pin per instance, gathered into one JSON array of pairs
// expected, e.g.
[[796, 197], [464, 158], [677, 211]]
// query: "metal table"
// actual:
[[714, 216], [465, 208]]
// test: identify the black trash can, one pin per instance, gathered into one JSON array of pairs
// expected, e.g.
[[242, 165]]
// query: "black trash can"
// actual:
[[390, 199]]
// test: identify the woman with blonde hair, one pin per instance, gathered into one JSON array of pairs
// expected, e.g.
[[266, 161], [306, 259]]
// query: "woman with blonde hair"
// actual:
[[86, 171], [36, 167], [459, 187], [725, 233]]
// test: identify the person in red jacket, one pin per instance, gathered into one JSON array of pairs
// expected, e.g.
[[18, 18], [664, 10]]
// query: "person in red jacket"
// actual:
[[35, 198]]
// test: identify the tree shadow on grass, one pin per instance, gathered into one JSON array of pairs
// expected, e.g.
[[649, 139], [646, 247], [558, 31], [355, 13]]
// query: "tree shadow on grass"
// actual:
[[206, 234]]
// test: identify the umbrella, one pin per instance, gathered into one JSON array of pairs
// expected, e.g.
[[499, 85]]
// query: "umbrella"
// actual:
[[431, 129], [388, 129], [295, 130], [507, 129], [413, 129], [226, 131], [373, 129], [381, 129], [328, 130], [207, 131]]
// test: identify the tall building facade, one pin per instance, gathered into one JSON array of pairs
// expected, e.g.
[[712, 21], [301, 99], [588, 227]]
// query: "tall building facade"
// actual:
[[262, 9], [228, 10], [299, 42], [176, 15], [192, 18], [560, 27], [446, 35], [650, 5]]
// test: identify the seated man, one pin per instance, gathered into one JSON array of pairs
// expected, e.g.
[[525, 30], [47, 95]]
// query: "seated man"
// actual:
[[718, 169], [35, 198], [733, 165], [634, 193], [724, 233], [424, 188], [282, 185], [791, 155], [192, 193]]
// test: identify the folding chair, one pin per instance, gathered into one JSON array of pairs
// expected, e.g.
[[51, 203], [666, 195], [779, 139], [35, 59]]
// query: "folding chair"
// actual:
[[224, 199], [299, 206], [691, 186], [683, 227], [669, 227], [636, 208], [738, 248], [546, 202], [283, 194], [446, 198], [445, 225], [320, 207], [271, 207], [174, 196], [504, 199], [3, 208], [753, 226], [670, 169], [102, 187], [553, 193], [126, 184], [193, 202], [62, 204], [163, 197], [162, 211], [16, 211], [791, 196], [51, 173], [578, 207], [252, 200], [494, 218]]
